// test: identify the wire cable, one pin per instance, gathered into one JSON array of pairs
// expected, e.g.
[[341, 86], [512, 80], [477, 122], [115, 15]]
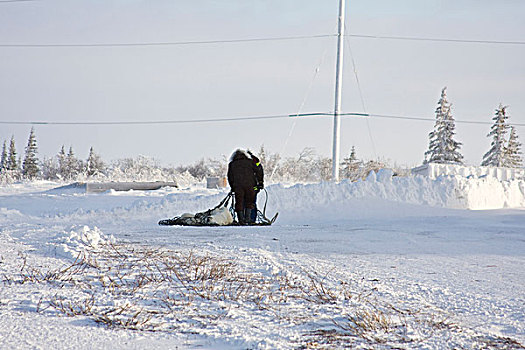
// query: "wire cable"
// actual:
[[150, 122], [363, 105], [231, 41], [249, 118], [305, 98], [471, 41], [386, 116], [170, 43], [6, 1]]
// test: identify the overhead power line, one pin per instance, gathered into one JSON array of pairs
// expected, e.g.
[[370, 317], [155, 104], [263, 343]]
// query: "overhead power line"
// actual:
[[247, 118], [4, 1], [149, 122], [452, 40], [172, 43], [386, 116], [248, 40]]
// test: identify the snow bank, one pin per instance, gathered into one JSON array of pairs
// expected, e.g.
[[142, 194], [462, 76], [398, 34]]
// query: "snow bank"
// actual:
[[26, 187], [445, 191], [489, 193]]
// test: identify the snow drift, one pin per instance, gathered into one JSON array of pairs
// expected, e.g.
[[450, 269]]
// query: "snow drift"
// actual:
[[450, 191], [431, 277]]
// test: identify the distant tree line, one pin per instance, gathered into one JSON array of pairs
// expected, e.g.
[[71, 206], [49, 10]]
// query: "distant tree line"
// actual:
[[308, 166], [65, 166], [504, 151]]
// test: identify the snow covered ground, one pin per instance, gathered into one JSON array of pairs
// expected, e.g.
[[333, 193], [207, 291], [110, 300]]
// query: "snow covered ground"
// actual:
[[383, 263]]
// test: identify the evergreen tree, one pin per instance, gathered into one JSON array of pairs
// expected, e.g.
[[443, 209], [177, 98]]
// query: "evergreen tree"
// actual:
[[71, 164], [94, 164], [12, 163], [30, 165], [3, 159], [352, 157], [62, 166], [513, 150], [496, 156], [350, 165], [442, 147]]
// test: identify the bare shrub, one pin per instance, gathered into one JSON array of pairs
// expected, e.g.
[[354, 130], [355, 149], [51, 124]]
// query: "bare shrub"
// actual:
[[148, 289]]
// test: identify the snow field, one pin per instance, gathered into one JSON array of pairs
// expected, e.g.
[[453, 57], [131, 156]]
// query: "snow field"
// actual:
[[366, 264], [263, 300]]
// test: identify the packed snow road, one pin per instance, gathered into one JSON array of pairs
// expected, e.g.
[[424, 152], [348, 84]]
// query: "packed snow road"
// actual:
[[339, 268]]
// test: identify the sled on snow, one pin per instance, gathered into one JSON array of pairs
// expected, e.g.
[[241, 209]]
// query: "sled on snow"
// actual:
[[222, 215]]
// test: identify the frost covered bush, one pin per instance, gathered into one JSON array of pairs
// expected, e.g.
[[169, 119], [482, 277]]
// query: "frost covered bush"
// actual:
[[310, 167], [139, 169], [155, 289], [205, 168], [144, 168], [307, 167], [9, 176]]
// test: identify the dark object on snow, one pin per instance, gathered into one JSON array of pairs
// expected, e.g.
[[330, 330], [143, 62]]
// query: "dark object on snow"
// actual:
[[241, 218], [246, 179], [221, 215], [250, 215], [242, 180]]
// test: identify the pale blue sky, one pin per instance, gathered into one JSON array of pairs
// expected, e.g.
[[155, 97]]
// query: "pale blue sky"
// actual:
[[251, 79]]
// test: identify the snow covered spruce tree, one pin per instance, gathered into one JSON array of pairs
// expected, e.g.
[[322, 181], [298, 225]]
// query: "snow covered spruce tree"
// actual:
[[30, 165], [513, 150], [72, 164], [12, 163], [61, 157], [350, 166], [3, 159], [442, 147], [9, 163], [68, 164], [497, 154], [94, 164]]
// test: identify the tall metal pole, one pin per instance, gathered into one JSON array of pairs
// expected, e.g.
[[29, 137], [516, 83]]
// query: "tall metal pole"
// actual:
[[338, 88]]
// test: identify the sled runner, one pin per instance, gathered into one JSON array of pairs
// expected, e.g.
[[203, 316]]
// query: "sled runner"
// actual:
[[221, 215]]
